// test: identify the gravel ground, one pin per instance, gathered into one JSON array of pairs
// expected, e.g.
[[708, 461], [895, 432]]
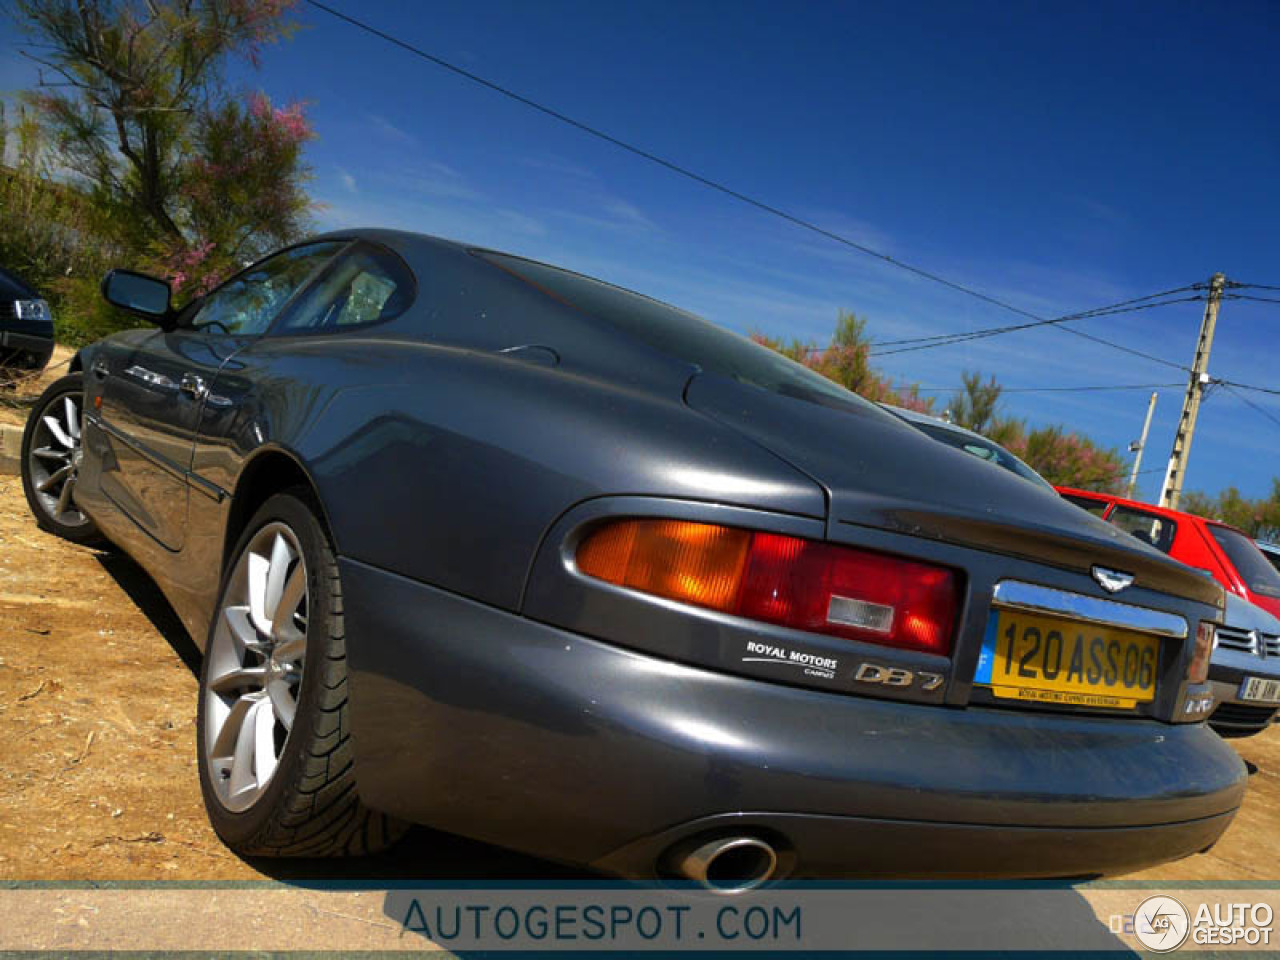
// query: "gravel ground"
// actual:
[[97, 738]]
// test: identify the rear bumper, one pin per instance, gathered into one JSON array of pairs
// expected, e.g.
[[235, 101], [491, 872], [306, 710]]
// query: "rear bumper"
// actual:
[[488, 724], [870, 849], [33, 349]]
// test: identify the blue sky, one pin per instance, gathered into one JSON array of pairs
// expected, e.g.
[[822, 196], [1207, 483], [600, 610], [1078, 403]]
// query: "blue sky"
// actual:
[[1060, 156]]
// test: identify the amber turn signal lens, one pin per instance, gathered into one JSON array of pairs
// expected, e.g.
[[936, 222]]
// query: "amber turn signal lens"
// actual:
[[696, 563], [797, 583]]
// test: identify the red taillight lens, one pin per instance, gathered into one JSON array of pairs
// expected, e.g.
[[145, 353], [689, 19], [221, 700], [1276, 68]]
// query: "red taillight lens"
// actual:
[[1198, 670], [792, 582]]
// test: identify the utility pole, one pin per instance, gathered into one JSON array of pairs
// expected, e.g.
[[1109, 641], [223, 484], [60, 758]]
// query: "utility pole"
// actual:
[[1196, 382], [1141, 445]]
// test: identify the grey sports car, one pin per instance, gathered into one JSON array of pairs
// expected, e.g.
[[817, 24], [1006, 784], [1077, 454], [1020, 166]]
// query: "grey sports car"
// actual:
[[477, 542]]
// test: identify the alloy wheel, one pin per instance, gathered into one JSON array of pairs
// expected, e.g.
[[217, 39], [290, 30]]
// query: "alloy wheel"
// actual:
[[255, 661], [54, 460]]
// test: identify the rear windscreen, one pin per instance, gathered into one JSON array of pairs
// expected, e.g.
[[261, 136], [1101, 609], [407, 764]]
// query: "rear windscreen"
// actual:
[[1258, 575], [984, 450], [681, 335]]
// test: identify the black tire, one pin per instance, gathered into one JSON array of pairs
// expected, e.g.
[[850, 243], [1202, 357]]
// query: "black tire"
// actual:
[[309, 806], [70, 524]]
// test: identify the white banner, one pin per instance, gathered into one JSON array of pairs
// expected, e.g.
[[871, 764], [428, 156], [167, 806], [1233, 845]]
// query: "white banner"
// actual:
[[218, 918]]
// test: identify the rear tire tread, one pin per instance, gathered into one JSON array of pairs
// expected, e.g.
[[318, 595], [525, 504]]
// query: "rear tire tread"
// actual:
[[319, 813]]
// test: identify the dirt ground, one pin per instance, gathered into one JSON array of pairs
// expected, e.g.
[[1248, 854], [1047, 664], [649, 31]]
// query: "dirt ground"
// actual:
[[97, 741], [19, 390]]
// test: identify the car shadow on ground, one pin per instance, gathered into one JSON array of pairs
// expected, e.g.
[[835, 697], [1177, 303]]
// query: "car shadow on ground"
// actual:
[[423, 854]]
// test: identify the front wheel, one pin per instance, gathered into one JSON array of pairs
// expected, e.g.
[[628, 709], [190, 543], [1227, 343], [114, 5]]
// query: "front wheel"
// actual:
[[51, 454], [273, 734]]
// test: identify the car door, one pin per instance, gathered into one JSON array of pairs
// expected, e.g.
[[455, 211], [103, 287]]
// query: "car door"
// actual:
[[154, 386]]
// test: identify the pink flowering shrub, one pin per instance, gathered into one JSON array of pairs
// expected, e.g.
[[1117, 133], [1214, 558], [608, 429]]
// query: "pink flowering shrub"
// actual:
[[241, 191]]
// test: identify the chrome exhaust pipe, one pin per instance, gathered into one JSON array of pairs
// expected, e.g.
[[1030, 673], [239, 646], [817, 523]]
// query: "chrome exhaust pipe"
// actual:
[[730, 864]]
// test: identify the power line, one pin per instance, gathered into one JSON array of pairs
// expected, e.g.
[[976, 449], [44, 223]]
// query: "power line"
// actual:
[[1246, 386], [720, 187], [1081, 389], [1241, 296], [948, 339], [1237, 285], [1084, 314], [1124, 349], [1266, 413], [674, 167]]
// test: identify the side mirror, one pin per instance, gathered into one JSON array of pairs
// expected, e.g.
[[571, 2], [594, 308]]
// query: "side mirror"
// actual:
[[139, 294]]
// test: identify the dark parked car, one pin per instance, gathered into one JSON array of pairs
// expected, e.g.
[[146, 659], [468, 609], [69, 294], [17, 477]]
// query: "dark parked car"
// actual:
[[974, 444], [26, 326], [477, 542]]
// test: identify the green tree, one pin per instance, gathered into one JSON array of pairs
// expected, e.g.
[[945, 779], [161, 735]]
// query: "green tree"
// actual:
[[178, 173], [1259, 518], [1197, 502], [39, 240], [974, 406]]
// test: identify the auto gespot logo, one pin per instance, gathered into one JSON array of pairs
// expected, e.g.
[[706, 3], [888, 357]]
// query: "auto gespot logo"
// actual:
[[1162, 923]]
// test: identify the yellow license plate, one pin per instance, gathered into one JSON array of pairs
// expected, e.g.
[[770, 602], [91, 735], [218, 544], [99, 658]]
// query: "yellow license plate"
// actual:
[[1050, 660]]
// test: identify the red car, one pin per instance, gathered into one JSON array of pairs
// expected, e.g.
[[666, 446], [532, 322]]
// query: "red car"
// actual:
[[1230, 555]]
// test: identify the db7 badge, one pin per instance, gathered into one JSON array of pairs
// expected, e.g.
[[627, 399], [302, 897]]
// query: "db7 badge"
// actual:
[[897, 677]]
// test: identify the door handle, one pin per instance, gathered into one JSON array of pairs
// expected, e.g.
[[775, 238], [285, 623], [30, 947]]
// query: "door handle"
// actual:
[[100, 369], [194, 385]]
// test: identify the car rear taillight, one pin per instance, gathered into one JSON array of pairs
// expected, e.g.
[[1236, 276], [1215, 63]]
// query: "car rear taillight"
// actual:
[[1198, 670], [803, 584]]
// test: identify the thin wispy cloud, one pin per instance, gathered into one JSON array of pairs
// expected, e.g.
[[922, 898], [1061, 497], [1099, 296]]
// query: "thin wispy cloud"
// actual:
[[388, 130], [558, 165]]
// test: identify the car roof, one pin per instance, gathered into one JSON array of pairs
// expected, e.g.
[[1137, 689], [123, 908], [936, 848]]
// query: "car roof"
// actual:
[[915, 416], [1146, 507]]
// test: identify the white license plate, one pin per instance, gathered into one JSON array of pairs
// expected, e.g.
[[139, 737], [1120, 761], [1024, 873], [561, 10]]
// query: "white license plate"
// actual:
[[1261, 689]]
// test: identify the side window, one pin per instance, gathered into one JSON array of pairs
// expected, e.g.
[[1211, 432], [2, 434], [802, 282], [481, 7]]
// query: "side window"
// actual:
[[1147, 527], [1096, 507], [247, 303], [367, 285]]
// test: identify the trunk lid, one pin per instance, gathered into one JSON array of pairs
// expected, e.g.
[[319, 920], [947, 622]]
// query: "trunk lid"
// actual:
[[880, 472]]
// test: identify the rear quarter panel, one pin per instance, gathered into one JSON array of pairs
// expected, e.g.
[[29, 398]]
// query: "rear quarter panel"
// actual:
[[448, 465]]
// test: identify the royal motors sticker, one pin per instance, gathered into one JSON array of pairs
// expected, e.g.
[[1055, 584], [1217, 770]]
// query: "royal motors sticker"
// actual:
[[811, 664]]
